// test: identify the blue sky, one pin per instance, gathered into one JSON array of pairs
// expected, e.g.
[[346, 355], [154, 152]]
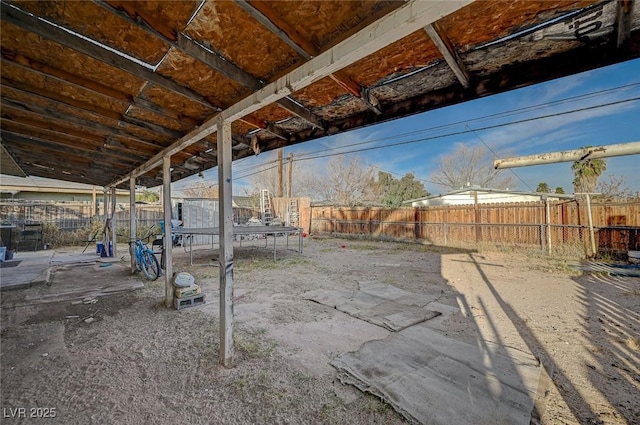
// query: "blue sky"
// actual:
[[592, 108]]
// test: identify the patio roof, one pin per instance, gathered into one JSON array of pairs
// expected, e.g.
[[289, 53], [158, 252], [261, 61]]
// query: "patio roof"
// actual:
[[97, 91]]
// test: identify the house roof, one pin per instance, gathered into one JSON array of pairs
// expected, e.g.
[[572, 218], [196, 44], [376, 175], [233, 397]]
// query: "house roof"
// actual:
[[42, 184], [489, 190], [104, 90]]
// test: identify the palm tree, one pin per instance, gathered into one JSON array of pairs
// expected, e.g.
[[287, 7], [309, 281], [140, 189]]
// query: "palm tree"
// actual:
[[543, 187], [586, 173]]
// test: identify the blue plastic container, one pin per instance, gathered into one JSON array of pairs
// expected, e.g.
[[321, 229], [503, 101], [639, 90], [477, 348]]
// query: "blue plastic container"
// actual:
[[99, 248]]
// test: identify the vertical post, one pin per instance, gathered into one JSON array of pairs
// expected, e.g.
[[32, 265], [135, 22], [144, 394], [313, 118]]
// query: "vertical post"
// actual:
[[106, 229], [548, 219], [290, 171], [226, 242], [132, 221], [591, 234], [113, 221], [167, 245], [104, 204], [280, 183], [476, 208], [445, 233], [94, 201]]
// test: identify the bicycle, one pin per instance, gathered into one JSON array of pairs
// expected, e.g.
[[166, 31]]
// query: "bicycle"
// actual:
[[146, 261]]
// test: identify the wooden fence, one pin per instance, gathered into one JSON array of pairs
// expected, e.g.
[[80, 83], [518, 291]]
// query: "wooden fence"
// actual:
[[549, 227]]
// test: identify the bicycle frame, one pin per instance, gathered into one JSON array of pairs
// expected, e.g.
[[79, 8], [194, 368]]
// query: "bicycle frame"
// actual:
[[146, 260]]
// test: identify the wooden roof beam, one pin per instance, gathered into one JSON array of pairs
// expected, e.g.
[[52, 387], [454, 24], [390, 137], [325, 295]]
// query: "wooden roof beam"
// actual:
[[264, 125], [98, 142], [87, 107], [262, 13], [21, 61], [624, 21], [219, 63], [44, 70], [60, 98], [16, 16], [403, 21], [73, 149], [8, 164], [44, 112], [451, 56], [266, 16]]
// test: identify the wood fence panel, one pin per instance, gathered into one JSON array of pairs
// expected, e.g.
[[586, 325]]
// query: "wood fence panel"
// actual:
[[617, 224]]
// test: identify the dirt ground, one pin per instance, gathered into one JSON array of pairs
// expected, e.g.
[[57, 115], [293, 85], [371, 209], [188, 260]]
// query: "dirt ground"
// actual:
[[138, 362]]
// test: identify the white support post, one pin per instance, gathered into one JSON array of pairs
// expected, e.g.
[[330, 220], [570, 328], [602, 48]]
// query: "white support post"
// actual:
[[104, 204], [167, 243], [226, 243], [591, 233], [548, 220], [113, 222], [105, 230], [132, 222]]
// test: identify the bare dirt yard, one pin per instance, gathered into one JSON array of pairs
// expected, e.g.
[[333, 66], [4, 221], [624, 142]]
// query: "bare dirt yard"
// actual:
[[139, 362]]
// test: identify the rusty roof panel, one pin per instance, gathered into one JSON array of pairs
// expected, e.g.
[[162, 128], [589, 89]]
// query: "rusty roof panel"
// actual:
[[257, 51], [176, 103], [320, 93], [43, 85], [15, 39], [105, 27], [324, 23], [416, 50], [408, 85], [272, 113], [53, 91], [342, 107], [165, 17], [220, 90], [157, 119], [484, 21]]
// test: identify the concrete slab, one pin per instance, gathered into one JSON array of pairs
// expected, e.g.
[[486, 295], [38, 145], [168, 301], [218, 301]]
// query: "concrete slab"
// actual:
[[34, 267]]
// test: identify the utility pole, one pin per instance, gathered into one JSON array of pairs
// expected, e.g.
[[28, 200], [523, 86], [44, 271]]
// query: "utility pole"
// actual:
[[280, 182], [290, 174]]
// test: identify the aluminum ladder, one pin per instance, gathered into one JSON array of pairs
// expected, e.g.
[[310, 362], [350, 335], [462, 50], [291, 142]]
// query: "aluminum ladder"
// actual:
[[265, 207]]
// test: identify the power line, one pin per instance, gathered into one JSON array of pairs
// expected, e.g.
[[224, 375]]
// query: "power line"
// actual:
[[497, 115], [306, 157], [495, 154], [457, 133]]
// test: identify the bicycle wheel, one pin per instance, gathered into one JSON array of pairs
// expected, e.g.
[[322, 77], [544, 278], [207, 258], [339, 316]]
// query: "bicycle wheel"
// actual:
[[150, 266]]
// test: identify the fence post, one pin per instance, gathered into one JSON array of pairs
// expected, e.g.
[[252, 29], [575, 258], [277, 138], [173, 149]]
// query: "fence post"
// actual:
[[445, 233], [331, 221]]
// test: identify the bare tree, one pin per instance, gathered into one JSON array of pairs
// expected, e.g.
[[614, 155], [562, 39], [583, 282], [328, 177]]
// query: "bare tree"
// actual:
[[470, 165], [613, 188], [265, 178], [201, 190], [347, 182]]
